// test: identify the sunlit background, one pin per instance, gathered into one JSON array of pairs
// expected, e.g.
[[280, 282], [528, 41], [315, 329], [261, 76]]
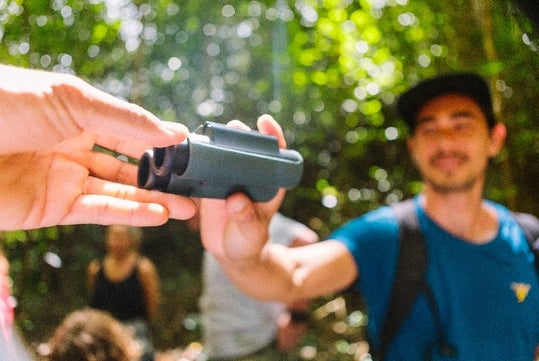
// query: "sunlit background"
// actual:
[[329, 71]]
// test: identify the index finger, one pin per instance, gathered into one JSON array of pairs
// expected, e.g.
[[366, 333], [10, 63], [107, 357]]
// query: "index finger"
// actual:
[[100, 113], [135, 148]]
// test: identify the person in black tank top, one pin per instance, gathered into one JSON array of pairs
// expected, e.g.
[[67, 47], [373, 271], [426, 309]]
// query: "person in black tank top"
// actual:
[[126, 284], [124, 299]]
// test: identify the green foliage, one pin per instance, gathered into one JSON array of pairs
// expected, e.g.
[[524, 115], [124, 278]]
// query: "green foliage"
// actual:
[[328, 70]]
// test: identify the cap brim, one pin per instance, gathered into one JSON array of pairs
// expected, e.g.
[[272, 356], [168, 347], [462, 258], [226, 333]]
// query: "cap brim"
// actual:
[[468, 84]]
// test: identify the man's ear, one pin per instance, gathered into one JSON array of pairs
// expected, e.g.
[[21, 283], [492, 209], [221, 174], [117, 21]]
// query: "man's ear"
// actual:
[[498, 134]]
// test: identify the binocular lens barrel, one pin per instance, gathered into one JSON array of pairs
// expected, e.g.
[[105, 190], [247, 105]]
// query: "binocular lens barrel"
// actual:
[[216, 161]]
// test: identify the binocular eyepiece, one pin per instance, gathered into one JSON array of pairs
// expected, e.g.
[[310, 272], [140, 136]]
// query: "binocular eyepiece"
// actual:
[[216, 161]]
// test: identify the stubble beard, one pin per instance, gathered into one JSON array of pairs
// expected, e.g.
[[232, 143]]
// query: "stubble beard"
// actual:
[[448, 188]]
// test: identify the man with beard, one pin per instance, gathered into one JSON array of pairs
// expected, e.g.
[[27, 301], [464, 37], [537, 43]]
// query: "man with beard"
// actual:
[[482, 290]]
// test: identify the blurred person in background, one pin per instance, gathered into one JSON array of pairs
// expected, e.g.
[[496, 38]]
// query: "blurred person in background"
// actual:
[[92, 335], [238, 327], [126, 284]]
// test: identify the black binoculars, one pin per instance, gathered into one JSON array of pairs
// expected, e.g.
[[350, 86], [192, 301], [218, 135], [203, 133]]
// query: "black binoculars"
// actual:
[[216, 161]]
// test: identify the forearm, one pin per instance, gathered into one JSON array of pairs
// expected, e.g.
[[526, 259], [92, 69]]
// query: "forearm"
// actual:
[[153, 308], [152, 288], [269, 276], [293, 274], [153, 300]]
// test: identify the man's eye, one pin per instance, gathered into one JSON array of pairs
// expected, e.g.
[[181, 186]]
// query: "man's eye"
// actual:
[[428, 130], [461, 126]]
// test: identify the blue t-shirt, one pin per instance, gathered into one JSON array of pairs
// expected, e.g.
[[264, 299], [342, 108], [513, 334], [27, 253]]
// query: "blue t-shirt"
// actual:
[[487, 295]]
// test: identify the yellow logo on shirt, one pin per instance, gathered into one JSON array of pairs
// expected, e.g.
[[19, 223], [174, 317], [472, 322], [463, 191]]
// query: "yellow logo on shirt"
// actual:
[[521, 290]]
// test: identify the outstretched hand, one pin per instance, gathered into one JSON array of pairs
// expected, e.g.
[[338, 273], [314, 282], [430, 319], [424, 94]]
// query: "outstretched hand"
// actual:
[[53, 173], [236, 229]]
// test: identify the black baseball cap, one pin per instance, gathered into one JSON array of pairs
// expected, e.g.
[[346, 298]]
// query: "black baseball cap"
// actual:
[[467, 84]]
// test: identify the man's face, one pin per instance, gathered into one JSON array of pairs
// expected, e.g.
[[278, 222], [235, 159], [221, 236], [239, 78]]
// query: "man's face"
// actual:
[[452, 143]]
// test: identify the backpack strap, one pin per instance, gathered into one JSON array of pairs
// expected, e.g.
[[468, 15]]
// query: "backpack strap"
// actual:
[[410, 274], [410, 281], [530, 225]]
